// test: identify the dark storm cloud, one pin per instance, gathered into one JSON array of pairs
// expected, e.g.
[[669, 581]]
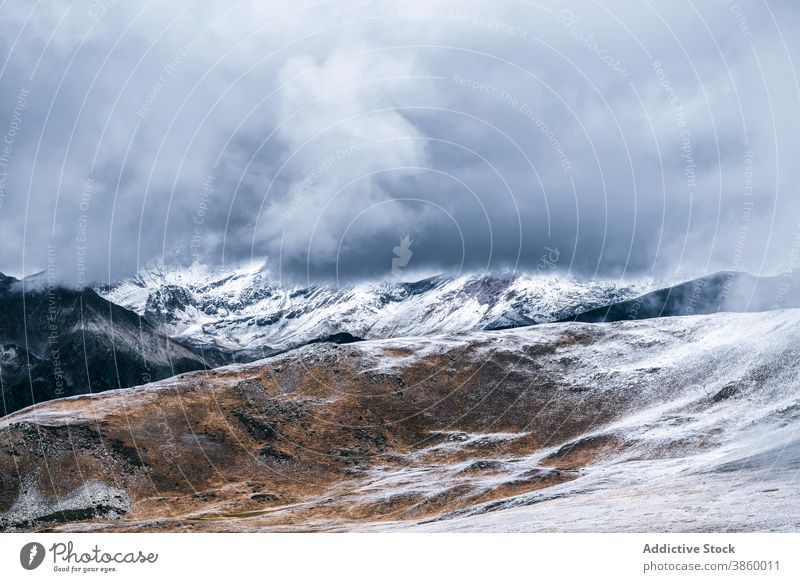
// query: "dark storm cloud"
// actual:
[[630, 138]]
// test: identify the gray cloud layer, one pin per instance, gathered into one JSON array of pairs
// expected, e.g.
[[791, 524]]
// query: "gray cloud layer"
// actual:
[[635, 138]]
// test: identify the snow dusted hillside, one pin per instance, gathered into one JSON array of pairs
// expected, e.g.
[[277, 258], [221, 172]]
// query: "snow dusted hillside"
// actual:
[[709, 439], [243, 311], [668, 424]]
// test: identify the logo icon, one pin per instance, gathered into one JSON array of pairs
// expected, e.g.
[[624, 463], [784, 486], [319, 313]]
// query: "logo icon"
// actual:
[[402, 255], [31, 555]]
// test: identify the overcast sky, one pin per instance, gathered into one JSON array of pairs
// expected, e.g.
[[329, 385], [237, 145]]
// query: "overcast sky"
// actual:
[[618, 138]]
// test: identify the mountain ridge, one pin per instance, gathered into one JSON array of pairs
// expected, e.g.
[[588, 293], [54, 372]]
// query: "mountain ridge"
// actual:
[[56, 341], [232, 308], [168, 321], [724, 291]]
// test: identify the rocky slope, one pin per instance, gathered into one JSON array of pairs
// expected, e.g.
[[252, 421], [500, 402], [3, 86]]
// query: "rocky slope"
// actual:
[[674, 424], [56, 342]]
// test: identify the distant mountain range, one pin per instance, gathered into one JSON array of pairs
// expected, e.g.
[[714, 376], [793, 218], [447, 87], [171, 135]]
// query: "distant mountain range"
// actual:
[[727, 291], [432, 417], [245, 313], [57, 342]]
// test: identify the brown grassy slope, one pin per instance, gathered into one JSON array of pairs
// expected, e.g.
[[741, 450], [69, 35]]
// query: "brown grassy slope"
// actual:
[[318, 438]]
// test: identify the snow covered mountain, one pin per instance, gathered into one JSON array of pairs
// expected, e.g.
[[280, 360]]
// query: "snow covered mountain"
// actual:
[[726, 291], [167, 321], [570, 426], [244, 312]]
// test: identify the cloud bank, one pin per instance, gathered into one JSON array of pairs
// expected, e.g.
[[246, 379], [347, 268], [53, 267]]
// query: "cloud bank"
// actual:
[[631, 139]]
